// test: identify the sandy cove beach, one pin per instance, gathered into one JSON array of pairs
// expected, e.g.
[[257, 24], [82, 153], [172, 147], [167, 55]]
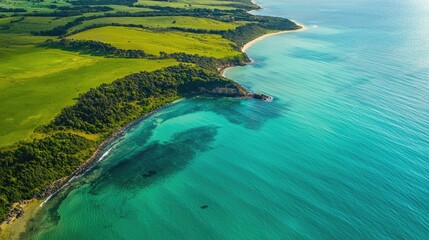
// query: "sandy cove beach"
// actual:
[[249, 44]]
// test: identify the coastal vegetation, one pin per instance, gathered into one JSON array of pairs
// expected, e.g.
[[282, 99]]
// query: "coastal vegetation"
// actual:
[[74, 72]]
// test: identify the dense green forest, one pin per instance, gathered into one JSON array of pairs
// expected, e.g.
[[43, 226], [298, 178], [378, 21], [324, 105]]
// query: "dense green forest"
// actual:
[[56, 148]]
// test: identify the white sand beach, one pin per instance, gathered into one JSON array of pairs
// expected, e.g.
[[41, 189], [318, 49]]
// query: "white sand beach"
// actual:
[[245, 47]]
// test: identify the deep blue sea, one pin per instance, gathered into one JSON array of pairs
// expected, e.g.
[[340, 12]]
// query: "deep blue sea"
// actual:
[[341, 153]]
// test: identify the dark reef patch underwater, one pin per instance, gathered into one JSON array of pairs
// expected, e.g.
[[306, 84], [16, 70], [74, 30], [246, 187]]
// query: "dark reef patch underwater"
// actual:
[[157, 160]]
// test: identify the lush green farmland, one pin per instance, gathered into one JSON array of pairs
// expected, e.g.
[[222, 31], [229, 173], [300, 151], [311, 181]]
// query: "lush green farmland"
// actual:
[[34, 92], [10, 41], [164, 22], [154, 42]]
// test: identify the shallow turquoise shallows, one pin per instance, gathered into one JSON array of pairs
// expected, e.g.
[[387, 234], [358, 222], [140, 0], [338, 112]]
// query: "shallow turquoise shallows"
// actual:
[[341, 153]]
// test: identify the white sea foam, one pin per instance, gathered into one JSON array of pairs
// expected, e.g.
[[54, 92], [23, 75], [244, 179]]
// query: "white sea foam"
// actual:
[[104, 155], [47, 199]]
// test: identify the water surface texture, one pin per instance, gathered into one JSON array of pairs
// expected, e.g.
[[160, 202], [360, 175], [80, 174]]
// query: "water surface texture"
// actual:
[[341, 153]]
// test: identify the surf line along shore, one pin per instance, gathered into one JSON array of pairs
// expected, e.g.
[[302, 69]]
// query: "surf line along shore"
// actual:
[[249, 44]]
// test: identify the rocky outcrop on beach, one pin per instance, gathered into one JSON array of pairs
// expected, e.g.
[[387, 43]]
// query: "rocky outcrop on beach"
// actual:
[[229, 89], [15, 212]]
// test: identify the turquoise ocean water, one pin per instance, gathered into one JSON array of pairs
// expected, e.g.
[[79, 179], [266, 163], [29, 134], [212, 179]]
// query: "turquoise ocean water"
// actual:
[[341, 153]]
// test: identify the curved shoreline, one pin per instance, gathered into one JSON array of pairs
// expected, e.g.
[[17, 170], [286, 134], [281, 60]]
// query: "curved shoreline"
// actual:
[[249, 44]]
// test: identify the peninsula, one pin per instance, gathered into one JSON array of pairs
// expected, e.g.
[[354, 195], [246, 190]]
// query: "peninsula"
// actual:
[[75, 72]]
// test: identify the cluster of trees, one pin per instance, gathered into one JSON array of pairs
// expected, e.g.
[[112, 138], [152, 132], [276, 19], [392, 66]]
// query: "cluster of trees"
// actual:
[[210, 63], [217, 14], [3, 9], [181, 29], [18, 20], [242, 6], [273, 23], [78, 10], [103, 2], [82, 8], [194, 30], [244, 34], [61, 30], [66, 11], [28, 168], [94, 48]]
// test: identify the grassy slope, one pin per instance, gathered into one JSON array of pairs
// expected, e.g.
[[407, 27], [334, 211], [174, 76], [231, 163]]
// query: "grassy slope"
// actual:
[[164, 22], [153, 42], [33, 92]]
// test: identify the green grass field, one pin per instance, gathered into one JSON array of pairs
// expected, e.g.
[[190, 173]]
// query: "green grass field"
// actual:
[[153, 42], [32, 6], [10, 41], [34, 91], [164, 22]]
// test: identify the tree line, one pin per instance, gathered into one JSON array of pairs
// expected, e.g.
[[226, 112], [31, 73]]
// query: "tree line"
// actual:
[[16, 10]]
